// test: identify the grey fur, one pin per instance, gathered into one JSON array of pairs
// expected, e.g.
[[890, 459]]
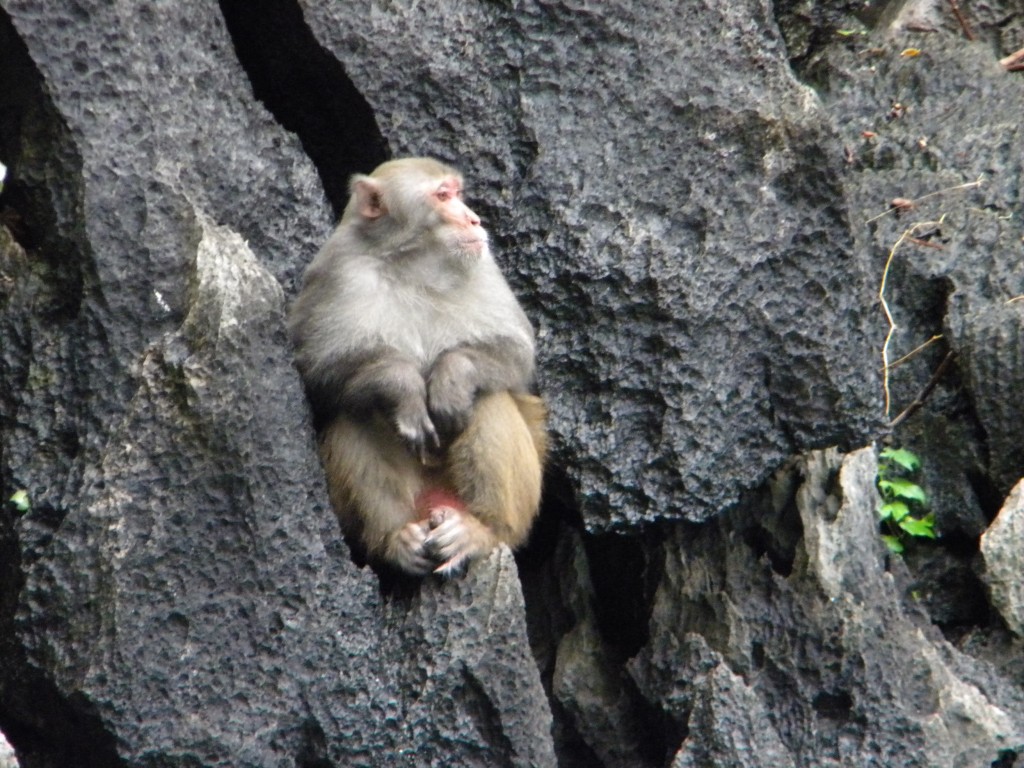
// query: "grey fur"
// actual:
[[391, 320]]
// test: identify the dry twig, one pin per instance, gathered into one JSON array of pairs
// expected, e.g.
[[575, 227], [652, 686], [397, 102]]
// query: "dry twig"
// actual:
[[914, 351], [926, 243], [1014, 62], [962, 19], [913, 203], [923, 394], [907, 235]]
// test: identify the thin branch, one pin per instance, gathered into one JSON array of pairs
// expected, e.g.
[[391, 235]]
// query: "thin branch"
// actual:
[[914, 351], [1013, 62], [969, 185], [1015, 298], [962, 19], [926, 243], [907, 233], [923, 394]]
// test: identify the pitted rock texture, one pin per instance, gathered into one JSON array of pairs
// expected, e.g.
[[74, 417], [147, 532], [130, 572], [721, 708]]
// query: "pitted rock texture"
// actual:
[[1000, 547], [179, 593], [687, 199], [818, 658], [677, 232]]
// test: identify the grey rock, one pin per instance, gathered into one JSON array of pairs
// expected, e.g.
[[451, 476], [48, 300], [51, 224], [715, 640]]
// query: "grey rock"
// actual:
[[178, 593], [200, 605], [677, 232], [953, 147], [594, 696], [817, 658], [729, 725], [7, 756], [1001, 550], [686, 223]]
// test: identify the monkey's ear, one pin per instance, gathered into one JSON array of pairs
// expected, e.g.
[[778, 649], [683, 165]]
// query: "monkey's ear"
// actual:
[[368, 198]]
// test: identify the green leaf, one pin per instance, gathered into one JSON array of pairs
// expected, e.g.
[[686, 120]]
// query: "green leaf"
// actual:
[[902, 457], [894, 510], [925, 527], [20, 501], [894, 544], [899, 488]]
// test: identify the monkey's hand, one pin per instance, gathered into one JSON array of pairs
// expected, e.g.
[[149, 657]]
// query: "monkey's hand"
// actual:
[[451, 390], [455, 538], [407, 549], [416, 429]]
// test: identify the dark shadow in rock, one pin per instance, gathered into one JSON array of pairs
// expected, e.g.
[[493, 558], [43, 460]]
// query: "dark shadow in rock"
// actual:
[[307, 91]]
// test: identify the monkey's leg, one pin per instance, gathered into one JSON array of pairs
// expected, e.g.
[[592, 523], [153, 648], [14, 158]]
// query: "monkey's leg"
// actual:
[[495, 467], [373, 482]]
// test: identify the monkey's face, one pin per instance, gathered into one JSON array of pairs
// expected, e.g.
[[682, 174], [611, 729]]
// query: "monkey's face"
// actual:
[[458, 227], [415, 206]]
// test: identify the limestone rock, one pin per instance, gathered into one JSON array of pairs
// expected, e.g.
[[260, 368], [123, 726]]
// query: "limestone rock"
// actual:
[[1002, 547]]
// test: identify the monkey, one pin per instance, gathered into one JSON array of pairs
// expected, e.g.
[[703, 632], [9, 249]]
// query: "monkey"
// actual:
[[419, 364]]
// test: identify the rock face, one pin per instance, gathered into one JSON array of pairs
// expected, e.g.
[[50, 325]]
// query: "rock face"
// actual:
[[178, 593], [817, 659], [679, 193], [7, 756], [678, 233], [197, 601], [950, 144], [1000, 546]]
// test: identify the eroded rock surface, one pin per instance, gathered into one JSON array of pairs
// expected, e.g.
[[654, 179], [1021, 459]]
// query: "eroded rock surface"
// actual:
[[696, 213], [818, 657], [1001, 549]]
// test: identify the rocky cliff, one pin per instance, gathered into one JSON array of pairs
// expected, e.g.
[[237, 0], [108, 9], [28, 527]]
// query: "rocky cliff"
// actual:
[[706, 208]]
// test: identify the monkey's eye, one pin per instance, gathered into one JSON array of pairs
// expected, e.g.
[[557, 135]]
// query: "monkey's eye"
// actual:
[[447, 191]]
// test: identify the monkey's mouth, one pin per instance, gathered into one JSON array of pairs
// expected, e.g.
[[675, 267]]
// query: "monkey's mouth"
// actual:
[[467, 243], [473, 244]]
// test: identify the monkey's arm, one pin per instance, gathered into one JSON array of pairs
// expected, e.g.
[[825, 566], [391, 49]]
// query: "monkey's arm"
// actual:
[[377, 381], [462, 373]]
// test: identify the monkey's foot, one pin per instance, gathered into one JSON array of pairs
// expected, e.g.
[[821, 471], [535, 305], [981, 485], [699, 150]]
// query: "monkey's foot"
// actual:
[[409, 551], [455, 538]]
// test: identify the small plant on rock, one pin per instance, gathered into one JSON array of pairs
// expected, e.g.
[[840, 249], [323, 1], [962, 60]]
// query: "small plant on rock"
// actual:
[[904, 503], [20, 501]]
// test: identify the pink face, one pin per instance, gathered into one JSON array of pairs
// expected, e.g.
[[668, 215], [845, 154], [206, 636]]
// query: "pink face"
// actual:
[[447, 198]]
